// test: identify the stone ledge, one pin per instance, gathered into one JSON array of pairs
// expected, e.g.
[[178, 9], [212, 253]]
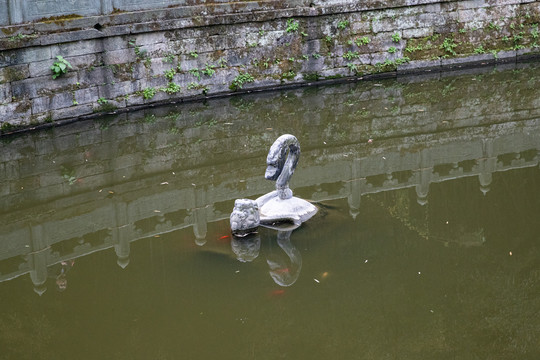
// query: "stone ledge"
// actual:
[[90, 27]]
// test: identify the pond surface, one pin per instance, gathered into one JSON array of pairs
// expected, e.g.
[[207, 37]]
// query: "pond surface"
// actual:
[[115, 239]]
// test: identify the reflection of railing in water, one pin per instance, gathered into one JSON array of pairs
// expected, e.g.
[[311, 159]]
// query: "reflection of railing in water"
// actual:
[[118, 221]]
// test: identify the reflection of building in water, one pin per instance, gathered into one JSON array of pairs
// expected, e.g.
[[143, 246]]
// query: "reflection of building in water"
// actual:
[[67, 229]]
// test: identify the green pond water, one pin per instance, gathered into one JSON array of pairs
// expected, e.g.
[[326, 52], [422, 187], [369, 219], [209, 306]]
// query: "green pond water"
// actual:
[[115, 240]]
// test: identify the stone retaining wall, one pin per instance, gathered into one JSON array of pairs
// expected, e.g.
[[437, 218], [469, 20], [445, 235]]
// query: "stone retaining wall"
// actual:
[[127, 59]]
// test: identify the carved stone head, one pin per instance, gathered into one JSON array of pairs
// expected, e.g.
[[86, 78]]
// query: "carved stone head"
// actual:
[[245, 217]]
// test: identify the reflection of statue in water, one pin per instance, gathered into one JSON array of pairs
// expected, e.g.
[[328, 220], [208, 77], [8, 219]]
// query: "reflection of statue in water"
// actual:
[[279, 205], [285, 270], [246, 248]]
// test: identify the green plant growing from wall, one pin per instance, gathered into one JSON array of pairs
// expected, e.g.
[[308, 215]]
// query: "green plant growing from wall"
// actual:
[[311, 76], [449, 45], [411, 49], [364, 40], [171, 88], [292, 26], [328, 39], [20, 37], [288, 75], [104, 105], [494, 26], [396, 37], [534, 31], [349, 55], [480, 50], [517, 39], [343, 24], [196, 73], [240, 80], [60, 66], [141, 54], [193, 85], [209, 70], [402, 60], [169, 74], [169, 58], [149, 93], [391, 64], [222, 62], [352, 68], [194, 54], [392, 50]]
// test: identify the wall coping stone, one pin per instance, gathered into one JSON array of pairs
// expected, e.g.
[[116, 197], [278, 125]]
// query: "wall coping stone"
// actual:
[[123, 23]]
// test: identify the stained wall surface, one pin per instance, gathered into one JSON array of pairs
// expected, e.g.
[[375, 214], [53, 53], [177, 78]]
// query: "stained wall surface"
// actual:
[[121, 58]]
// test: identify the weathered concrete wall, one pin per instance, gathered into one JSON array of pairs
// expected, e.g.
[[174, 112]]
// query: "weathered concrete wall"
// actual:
[[127, 59]]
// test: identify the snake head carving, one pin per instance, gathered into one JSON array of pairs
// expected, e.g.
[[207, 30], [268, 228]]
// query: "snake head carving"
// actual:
[[272, 171], [285, 146]]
